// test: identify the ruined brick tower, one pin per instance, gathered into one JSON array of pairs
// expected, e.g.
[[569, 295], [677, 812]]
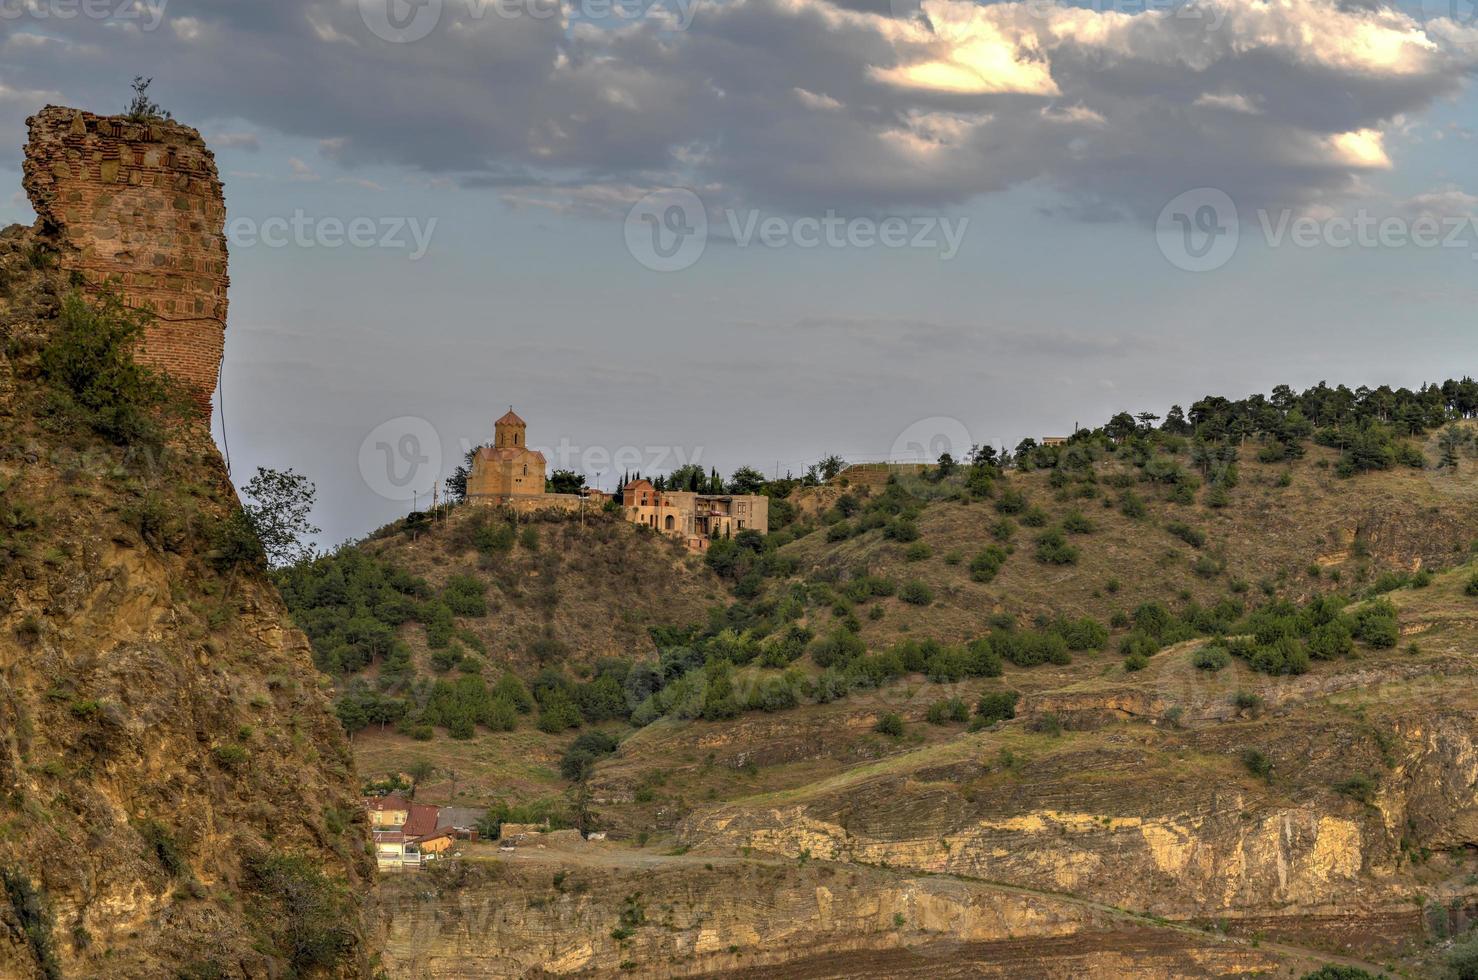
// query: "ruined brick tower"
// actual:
[[139, 204]]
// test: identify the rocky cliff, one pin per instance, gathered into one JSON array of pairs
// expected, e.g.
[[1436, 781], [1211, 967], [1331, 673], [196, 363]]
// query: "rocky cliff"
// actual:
[[580, 909], [176, 798]]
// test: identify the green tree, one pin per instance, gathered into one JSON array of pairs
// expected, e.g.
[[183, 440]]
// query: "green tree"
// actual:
[[278, 508], [830, 466], [746, 479], [564, 481]]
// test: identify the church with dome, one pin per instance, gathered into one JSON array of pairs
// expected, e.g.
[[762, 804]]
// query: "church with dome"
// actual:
[[508, 471]]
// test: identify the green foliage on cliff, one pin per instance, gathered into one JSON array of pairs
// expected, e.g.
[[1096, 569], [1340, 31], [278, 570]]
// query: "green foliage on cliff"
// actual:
[[92, 378]]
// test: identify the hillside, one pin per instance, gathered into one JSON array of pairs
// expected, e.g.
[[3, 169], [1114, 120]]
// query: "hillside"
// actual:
[[1234, 705], [176, 798], [469, 599]]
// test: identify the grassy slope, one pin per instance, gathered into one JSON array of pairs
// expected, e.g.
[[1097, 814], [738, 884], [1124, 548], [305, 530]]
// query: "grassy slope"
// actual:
[[1269, 533], [595, 588]]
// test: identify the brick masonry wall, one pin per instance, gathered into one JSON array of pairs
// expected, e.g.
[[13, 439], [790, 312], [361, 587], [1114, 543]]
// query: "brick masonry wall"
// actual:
[[139, 207]]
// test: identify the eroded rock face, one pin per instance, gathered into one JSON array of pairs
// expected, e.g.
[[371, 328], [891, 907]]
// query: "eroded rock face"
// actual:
[[176, 795], [1195, 848], [728, 916], [137, 206]]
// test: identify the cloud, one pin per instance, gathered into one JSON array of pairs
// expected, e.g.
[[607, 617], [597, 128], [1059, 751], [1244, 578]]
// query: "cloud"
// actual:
[[810, 105], [234, 141], [301, 170], [1442, 203]]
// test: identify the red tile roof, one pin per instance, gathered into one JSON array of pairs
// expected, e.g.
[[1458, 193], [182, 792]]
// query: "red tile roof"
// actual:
[[511, 419], [391, 802], [422, 820]]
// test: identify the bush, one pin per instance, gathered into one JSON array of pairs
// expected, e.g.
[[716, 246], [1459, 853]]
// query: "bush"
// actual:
[[1333, 972], [1011, 501], [88, 364], [995, 706], [1472, 587], [584, 752], [465, 596], [1462, 960], [1247, 701], [1085, 633], [305, 911], [901, 529], [1136, 662], [889, 724], [1258, 764], [916, 593], [1358, 787], [918, 551], [1053, 549], [987, 564], [557, 713], [1376, 624], [1330, 641], [838, 649], [1131, 505], [1212, 658], [1075, 522], [1034, 517], [943, 712], [1191, 536], [1047, 723]]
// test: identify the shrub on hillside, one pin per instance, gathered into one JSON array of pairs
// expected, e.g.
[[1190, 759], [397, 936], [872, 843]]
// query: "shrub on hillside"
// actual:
[[916, 593], [1011, 501], [1330, 641], [465, 595], [1376, 624], [944, 712], [93, 379], [837, 648], [1083, 633], [1190, 535], [1075, 522], [995, 706], [1258, 764], [1212, 658], [987, 564], [584, 752], [1053, 549], [901, 529], [1132, 505]]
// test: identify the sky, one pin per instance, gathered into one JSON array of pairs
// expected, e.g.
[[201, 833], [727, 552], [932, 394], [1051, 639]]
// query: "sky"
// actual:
[[757, 232]]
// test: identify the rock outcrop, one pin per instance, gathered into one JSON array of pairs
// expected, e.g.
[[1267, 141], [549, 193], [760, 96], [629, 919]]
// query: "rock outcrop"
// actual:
[[177, 799], [136, 206]]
